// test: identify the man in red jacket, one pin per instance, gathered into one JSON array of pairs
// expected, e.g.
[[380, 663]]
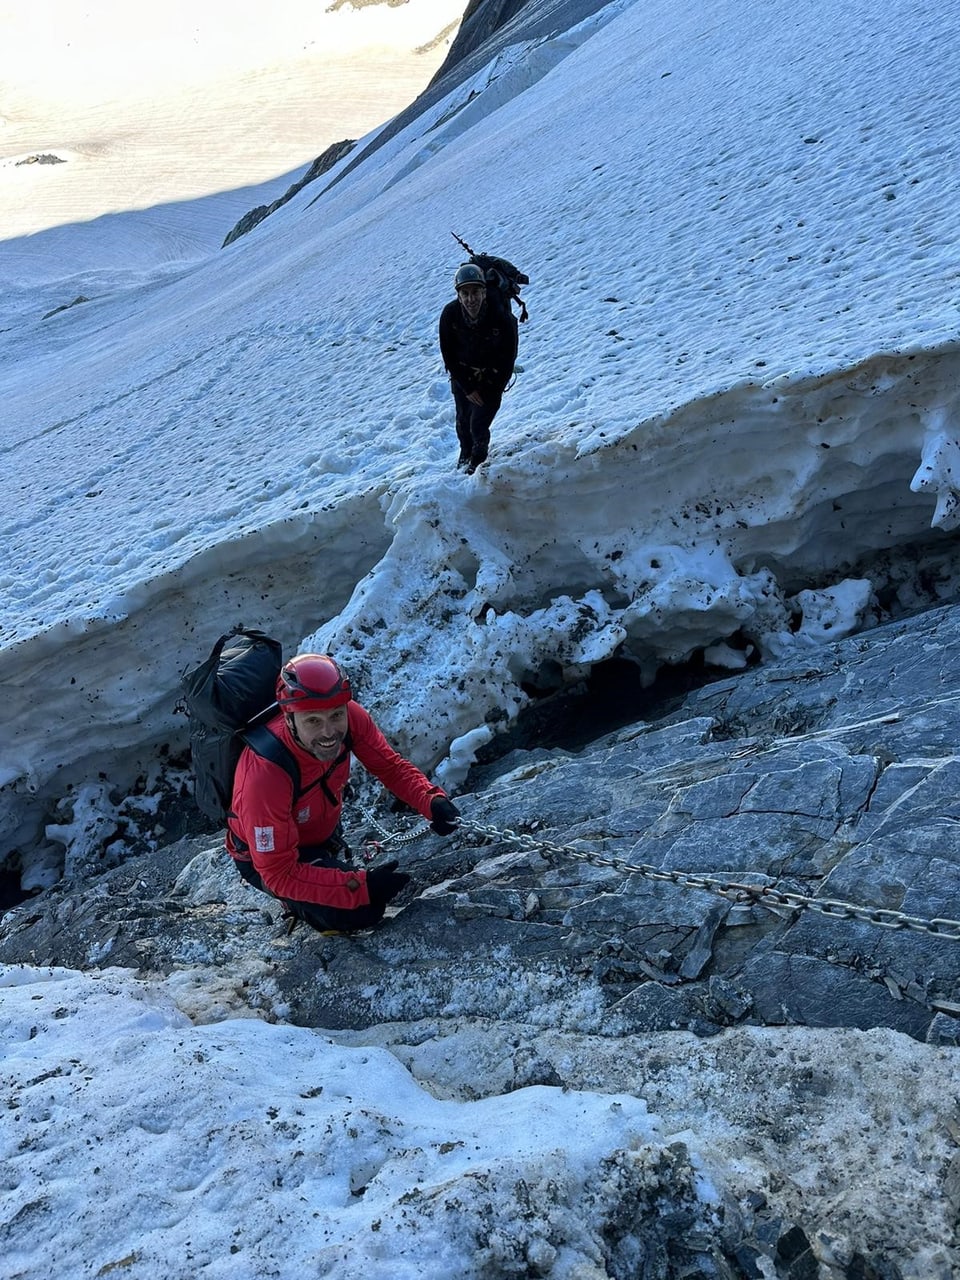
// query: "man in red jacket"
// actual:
[[285, 840]]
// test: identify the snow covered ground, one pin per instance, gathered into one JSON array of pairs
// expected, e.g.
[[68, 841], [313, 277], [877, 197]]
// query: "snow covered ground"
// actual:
[[134, 1139], [739, 378], [738, 392], [240, 1127], [129, 149]]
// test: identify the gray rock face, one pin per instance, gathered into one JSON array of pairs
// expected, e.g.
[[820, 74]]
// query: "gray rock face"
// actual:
[[569, 936], [617, 890]]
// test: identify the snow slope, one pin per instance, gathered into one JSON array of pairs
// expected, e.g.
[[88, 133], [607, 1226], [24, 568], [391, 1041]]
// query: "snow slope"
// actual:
[[157, 137], [136, 1140], [739, 380]]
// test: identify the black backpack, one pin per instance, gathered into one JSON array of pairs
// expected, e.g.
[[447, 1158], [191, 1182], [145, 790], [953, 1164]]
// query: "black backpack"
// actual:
[[503, 280], [228, 698]]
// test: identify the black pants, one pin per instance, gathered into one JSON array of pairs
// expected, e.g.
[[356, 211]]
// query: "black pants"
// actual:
[[329, 854], [473, 422]]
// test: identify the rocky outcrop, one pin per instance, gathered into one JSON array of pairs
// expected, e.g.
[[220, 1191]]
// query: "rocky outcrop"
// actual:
[[574, 934], [65, 307], [487, 27], [43, 157], [620, 889], [323, 164]]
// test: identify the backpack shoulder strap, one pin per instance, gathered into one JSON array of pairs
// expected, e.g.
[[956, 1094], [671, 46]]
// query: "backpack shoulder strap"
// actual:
[[266, 744]]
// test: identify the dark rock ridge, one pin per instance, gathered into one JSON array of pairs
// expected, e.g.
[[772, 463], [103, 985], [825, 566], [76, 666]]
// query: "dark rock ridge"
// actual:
[[323, 164], [43, 157], [487, 27], [830, 776], [65, 306]]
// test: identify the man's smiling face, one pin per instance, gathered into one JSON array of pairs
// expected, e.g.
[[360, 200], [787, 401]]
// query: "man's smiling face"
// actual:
[[472, 298], [321, 732]]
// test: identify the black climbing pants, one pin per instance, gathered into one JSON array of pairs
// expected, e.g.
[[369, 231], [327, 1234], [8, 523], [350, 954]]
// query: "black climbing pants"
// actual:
[[473, 422]]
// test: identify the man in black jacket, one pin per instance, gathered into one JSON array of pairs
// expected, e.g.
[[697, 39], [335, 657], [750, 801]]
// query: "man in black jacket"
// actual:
[[479, 349]]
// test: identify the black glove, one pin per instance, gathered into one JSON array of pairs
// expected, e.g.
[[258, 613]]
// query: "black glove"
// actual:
[[445, 816], [384, 883]]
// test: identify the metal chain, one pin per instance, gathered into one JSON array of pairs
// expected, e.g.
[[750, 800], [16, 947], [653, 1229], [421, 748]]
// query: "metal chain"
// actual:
[[390, 837], [764, 895]]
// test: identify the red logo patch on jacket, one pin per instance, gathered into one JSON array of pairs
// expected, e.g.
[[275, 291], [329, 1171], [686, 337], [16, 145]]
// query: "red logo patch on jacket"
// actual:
[[263, 839]]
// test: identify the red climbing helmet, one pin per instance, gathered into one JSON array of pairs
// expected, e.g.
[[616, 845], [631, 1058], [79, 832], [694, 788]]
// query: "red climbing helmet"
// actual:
[[312, 682]]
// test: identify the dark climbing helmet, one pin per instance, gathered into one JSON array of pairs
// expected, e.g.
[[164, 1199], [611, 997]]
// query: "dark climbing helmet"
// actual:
[[312, 682], [469, 273]]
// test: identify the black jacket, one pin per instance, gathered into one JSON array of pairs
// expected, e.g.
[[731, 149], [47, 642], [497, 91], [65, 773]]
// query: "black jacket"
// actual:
[[481, 354]]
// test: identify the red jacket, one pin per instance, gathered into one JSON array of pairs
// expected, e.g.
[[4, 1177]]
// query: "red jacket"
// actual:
[[266, 827]]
